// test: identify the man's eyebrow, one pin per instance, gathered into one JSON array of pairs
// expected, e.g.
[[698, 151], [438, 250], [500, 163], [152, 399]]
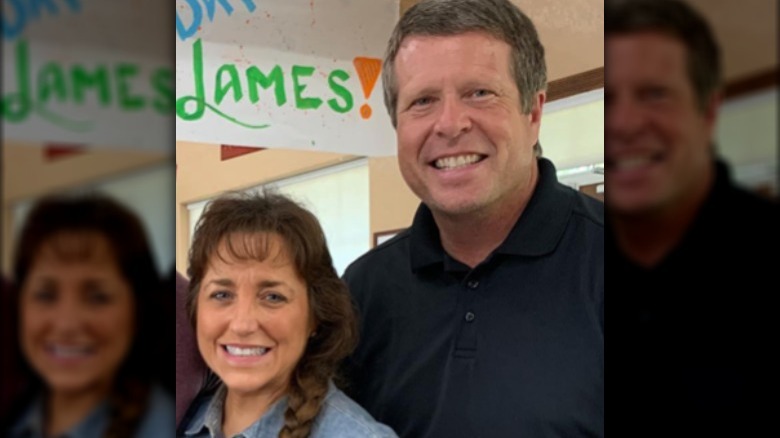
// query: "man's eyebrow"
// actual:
[[415, 93]]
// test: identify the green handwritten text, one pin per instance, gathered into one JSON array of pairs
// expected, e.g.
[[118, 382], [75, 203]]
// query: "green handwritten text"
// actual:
[[228, 84], [111, 85]]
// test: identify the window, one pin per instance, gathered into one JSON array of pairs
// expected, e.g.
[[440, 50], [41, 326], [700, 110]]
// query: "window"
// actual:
[[338, 196]]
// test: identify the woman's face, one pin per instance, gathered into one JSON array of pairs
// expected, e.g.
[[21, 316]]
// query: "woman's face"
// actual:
[[253, 319], [77, 313]]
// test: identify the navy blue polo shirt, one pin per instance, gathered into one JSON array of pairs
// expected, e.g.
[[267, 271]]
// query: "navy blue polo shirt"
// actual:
[[513, 347], [693, 353]]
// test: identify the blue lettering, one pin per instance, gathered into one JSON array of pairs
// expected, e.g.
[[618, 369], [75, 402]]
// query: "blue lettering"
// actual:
[[35, 8], [250, 5], [188, 30], [210, 7], [197, 16], [12, 29], [24, 11]]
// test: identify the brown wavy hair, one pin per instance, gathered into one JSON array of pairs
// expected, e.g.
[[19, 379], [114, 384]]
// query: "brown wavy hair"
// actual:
[[86, 216], [259, 216]]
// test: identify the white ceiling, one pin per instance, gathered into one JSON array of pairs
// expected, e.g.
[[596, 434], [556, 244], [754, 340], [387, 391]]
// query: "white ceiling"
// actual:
[[572, 32]]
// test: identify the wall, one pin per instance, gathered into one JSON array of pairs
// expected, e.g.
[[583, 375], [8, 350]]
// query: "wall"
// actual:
[[746, 136], [201, 174], [392, 202], [28, 174]]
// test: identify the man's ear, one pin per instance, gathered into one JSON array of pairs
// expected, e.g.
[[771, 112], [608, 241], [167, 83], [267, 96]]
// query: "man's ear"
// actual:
[[536, 110], [711, 109]]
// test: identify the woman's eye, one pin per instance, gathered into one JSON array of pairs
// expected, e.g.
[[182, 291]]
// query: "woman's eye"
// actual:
[[44, 296], [98, 297], [274, 297], [220, 295]]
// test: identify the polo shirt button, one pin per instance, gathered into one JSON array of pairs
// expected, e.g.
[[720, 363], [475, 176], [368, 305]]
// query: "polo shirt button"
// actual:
[[470, 316], [473, 284]]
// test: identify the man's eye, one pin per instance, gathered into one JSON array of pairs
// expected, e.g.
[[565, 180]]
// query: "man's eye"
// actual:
[[481, 93], [422, 101], [653, 93]]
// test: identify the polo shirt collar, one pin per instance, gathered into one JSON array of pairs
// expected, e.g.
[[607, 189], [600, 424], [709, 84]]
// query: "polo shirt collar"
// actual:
[[536, 233]]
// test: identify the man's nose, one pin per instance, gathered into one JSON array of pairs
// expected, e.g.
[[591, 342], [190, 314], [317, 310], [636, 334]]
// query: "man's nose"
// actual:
[[624, 119], [454, 118]]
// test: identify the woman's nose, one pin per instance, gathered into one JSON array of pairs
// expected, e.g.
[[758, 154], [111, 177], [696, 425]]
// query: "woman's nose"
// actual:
[[245, 319]]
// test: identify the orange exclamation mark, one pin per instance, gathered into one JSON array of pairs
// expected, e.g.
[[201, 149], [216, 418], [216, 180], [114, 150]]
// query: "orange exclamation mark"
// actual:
[[368, 70]]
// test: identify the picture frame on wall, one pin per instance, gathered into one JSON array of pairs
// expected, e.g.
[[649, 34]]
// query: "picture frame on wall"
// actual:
[[381, 237]]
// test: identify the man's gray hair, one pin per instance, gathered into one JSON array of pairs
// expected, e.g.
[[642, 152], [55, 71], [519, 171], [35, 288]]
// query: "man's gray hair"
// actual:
[[498, 18]]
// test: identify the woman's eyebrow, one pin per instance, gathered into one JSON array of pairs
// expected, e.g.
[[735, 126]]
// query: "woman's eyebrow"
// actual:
[[267, 284], [270, 283], [225, 282]]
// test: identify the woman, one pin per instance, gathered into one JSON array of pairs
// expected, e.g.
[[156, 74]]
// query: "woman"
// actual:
[[272, 322], [87, 291]]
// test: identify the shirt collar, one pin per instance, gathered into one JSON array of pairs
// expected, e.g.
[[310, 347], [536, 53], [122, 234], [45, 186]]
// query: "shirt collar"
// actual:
[[708, 220], [210, 415], [535, 234], [31, 423], [93, 425]]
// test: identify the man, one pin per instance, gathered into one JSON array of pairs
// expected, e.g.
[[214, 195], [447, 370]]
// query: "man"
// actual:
[[486, 317], [691, 257]]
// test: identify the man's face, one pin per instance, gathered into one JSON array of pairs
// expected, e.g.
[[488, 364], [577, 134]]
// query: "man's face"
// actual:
[[657, 137], [464, 146]]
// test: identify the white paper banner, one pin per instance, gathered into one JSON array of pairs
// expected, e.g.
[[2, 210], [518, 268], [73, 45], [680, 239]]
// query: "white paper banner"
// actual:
[[89, 72], [284, 74]]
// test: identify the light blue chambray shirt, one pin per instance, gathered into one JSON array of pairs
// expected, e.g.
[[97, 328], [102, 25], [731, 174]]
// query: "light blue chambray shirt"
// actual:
[[339, 417], [158, 422]]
